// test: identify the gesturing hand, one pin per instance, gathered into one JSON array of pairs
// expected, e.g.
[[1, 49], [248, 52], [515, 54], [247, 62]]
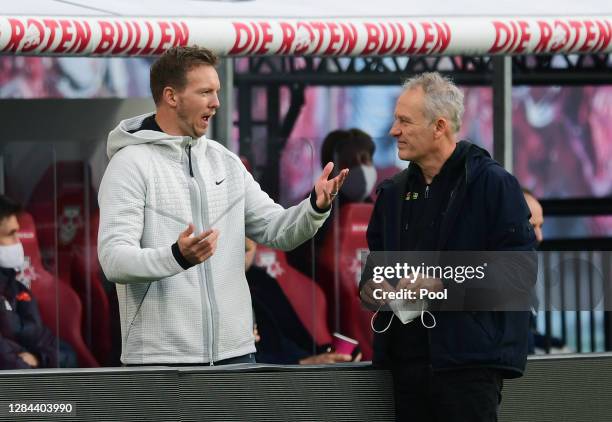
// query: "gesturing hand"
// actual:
[[325, 189], [197, 249]]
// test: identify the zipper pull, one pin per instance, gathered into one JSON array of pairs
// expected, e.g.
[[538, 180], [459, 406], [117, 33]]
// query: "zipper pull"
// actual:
[[188, 149], [427, 192]]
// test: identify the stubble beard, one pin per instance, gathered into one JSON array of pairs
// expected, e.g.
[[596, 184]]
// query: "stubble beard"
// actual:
[[183, 121]]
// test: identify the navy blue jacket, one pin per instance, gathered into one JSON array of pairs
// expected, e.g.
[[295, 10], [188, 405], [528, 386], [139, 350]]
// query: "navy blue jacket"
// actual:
[[486, 212], [21, 328]]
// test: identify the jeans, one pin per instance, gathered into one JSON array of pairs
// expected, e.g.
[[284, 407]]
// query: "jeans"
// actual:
[[249, 358]]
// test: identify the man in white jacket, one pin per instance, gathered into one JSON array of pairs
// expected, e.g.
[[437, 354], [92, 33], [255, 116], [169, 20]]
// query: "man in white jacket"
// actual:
[[174, 211]]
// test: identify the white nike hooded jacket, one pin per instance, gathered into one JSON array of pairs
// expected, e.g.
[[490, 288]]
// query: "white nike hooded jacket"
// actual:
[[150, 192]]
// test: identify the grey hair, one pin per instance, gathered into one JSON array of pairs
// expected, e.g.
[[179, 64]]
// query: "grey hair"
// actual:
[[442, 97]]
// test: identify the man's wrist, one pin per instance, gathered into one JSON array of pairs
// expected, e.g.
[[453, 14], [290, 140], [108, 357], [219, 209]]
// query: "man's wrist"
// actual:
[[180, 259], [313, 203]]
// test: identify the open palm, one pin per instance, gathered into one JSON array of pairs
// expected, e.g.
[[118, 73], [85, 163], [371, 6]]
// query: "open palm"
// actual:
[[326, 189]]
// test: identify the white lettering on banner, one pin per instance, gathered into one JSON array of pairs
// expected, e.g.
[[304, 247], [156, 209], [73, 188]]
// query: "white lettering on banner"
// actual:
[[359, 228], [392, 36]]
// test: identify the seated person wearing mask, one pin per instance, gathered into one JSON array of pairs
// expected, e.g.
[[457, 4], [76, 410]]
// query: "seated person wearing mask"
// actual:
[[280, 336], [352, 149], [24, 341]]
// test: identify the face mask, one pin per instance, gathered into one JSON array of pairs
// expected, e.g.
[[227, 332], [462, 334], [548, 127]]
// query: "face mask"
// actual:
[[11, 256], [404, 315], [359, 183], [540, 113]]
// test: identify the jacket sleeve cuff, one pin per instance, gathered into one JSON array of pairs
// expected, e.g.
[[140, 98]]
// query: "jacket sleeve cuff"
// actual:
[[180, 259], [313, 203]]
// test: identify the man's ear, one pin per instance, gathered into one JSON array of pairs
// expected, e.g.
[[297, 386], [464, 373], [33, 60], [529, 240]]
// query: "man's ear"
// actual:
[[441, 125], [169, 96]]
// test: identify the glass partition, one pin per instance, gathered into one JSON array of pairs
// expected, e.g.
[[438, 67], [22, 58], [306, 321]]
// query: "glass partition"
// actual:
[[58, 229]]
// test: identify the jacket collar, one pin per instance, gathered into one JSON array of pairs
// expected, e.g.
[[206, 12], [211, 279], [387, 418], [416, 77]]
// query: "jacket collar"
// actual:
[[128, 132], [476, 161]]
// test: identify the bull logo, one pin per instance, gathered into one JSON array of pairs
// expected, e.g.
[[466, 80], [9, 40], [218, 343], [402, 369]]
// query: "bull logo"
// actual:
[[32, 39], [27, 273], [70, 222], [268, 260]]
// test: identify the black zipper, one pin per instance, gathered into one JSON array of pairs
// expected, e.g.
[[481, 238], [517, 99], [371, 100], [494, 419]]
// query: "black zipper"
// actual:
[[427, 192], [188, 149]]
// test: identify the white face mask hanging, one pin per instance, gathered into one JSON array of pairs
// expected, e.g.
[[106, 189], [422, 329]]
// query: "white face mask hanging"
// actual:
[[359, 183], [404, 315], [370, 175], [12, 256]]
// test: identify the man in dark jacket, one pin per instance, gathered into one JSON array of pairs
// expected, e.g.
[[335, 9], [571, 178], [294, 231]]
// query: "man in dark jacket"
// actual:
[[24, 341], [452, 197]]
